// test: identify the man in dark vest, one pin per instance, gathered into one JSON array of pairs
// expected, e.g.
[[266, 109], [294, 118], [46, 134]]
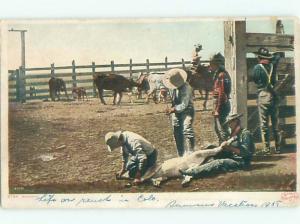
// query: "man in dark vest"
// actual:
[[264, 76], [221, 94]]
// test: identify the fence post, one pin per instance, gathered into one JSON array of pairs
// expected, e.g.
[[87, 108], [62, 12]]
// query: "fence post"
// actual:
[[93, 73], [183, 63], [130, 67], [112, 65], [21, 85], [236, 65], [18, 98], [52, 70], [166, 62], [74, 73], [147, 66]]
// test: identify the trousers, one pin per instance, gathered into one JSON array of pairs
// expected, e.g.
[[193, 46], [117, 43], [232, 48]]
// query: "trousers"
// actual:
[[183, 131], [221, 129], [268, 109]]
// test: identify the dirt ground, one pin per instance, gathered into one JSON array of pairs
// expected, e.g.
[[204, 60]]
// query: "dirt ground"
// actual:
[[59, 147]]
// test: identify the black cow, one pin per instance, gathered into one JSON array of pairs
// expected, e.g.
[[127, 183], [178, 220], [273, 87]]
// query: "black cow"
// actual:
[[56, 85]]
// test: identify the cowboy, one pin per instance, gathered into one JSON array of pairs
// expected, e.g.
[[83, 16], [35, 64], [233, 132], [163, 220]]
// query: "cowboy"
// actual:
[[238, 153], [264, 76], [138, 153], [221, 95], [182, 110]]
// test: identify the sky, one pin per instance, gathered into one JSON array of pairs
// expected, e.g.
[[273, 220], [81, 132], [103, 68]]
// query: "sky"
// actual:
[[87, 41]]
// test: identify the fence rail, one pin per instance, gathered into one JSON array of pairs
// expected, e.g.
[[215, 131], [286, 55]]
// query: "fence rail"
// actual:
[[22, 79]]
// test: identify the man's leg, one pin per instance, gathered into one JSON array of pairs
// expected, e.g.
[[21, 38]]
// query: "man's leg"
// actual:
[[220, 129], [264, 126], [178, 133], [210, 168], [132, 166], [275, 127], [188, 132]]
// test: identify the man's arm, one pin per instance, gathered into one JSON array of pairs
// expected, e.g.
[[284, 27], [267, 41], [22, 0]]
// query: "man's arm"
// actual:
[[141, 158], [124, 161], [255, 75], [186, 95]]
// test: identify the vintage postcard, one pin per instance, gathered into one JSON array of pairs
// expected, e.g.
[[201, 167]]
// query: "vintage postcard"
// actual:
[[150, 113]]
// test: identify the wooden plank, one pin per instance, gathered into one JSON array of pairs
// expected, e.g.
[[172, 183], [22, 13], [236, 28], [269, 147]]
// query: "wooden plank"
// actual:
[[274, 42], [286, 101]]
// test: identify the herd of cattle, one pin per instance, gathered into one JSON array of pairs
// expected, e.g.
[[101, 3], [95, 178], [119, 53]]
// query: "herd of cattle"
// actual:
[[151, 84]]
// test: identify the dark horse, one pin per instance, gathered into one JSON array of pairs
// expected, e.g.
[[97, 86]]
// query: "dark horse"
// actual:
[[116, 83], [55, 86], [201, 79]]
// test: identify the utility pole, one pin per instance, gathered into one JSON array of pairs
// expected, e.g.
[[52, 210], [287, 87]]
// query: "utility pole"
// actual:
[[21, 81], [22, 45]]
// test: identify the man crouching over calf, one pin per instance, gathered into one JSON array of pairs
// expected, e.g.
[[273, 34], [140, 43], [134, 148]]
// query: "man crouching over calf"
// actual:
[[138, 153], [234, 156]]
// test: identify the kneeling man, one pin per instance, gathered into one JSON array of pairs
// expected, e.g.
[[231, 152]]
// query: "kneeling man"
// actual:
[[236, 155], [138, 153]]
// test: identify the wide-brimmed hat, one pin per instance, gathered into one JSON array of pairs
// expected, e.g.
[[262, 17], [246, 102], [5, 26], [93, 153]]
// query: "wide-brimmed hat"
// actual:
[[232, 117], [112, 140], [263, 53], [174, 78], [218, 59]]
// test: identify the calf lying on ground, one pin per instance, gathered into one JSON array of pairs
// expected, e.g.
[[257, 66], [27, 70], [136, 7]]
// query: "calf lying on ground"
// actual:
[[79, 92], [171, 168]]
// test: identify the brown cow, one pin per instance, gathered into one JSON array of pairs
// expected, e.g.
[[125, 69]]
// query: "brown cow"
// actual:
[[55, 86], [79, 92], [201, 79], [116, 83]]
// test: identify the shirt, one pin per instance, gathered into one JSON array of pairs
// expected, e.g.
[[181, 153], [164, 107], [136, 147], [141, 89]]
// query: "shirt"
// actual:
[[261, 73], [222, 85], [135, 145], [182, 98], [245, 144]]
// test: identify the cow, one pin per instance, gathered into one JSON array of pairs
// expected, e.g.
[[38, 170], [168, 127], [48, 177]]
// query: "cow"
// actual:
[[79, 92], [117, 83], [151, 84], [55, 86], [171, 168], [201, 79]]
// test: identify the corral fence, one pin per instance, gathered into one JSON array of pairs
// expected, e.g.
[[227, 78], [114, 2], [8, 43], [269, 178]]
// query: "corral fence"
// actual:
[[32, 83], [238, 46]]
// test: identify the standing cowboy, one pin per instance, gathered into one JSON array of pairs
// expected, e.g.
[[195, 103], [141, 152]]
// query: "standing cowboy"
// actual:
[[238, 153], [182, 110], [138, 154], [264, 76], [221, 94]]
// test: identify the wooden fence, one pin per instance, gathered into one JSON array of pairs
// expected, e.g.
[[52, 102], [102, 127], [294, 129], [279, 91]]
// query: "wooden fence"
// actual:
[[21, 80], [238, 45]]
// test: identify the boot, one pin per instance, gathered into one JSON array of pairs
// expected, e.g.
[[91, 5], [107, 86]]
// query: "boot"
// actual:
[[278, 142], [190, 145], [266, 142], [179, 139]]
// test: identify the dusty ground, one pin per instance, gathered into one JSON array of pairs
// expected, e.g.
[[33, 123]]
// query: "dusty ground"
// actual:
[[59, 147]]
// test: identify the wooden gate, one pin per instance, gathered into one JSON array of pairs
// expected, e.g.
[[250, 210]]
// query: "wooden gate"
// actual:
[[238, 45]]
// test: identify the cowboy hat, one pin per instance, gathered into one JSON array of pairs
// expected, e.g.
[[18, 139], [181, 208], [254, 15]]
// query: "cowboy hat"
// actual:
[[232, 117], [263, 53], [218, 59], [174, 78], [112, 140]]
